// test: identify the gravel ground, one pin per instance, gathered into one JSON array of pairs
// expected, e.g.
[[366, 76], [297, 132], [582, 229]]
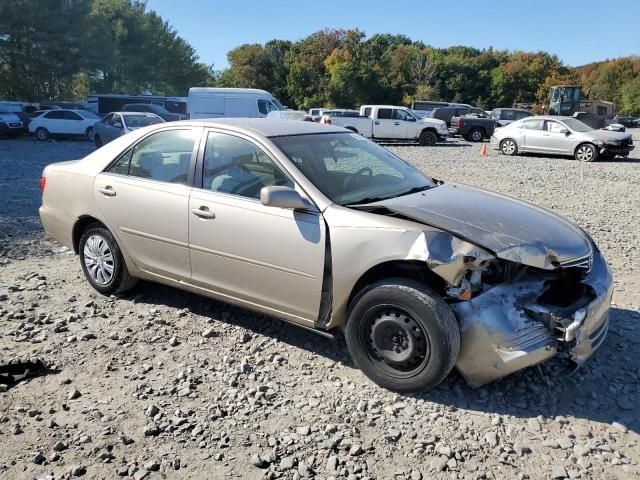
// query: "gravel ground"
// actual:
[[164, 384]]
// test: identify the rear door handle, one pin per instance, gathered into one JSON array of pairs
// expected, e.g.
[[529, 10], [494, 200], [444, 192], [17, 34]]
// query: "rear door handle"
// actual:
[[397, 123], [377, 122], [107, 191], [203, 212]]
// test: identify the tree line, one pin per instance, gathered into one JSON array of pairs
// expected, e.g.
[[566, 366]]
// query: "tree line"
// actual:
[[64, 49]]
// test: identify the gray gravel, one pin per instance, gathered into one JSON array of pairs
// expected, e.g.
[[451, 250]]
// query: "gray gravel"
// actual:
[[165, 384]]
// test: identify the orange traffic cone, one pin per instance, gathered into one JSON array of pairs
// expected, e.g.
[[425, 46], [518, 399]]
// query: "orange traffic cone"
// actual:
[[483, 150]]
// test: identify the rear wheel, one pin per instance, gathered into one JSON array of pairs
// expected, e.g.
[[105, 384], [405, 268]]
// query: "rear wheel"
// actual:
[[509, 147], [42, 134], [586, 153], [428, 139], [476, 135], [402, 335], [102, 261]]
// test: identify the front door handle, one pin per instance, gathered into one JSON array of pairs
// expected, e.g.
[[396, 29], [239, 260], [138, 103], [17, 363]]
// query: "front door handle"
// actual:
[[107, 191], [397, 123], [203, 212], [377, 122]]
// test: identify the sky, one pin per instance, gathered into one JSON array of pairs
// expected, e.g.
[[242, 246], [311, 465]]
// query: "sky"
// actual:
[[579, 32]]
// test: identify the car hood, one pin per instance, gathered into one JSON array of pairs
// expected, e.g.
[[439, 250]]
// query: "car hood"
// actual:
[[512, 229], [9, 117], [432, 121], [607, 135]]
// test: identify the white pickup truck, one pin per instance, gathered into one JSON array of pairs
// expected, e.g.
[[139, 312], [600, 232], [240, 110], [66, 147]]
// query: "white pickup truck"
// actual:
[[392, 123]]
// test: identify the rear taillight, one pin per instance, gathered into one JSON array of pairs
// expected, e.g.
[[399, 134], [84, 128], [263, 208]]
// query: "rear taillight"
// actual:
[[43, 183], [326, 120], [458, 122]]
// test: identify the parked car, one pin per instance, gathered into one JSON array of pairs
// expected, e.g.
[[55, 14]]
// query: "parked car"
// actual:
[[62, 122], [475, 128], [289, 115], [117, 124], [207, 102], [447, 113], [504, 116], [628, 122], [10, 125], [553, 135], [318, 112], [328, 230], [155, 109], [392, 123]]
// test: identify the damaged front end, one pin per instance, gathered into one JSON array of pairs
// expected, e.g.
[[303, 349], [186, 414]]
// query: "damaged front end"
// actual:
[[519, 315]]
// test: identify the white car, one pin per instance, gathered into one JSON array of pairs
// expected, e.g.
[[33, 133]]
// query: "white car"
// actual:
[[63, 122], [389, 123]]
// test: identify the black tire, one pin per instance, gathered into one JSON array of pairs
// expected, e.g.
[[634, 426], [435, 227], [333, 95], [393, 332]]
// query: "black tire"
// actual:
[[586, 152], [508, 146], [42, 134], [476, 135], [120, 280], [89, 134], [416, 322], [97, 140], [427, 139]]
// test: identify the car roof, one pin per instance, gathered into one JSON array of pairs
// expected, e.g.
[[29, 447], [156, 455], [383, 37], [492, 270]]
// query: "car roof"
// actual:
[[267, 127]]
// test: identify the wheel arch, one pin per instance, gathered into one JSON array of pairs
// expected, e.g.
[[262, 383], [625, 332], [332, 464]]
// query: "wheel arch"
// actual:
[[405, 269], [80, 226], [586, 142]]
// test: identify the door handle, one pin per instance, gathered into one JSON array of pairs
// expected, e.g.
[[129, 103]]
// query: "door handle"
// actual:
[[377, 122], [396, 123], [203, 212], [107, 191]]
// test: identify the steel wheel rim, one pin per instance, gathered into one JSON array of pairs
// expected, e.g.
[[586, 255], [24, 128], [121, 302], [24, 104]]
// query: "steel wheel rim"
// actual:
[[585, 153], [508, 147], [98, 260], [395, 343]]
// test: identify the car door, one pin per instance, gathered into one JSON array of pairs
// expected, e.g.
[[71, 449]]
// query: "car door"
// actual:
[[114, 126], [533, 138], [405, 125], [384, 123], [73, 124], [54, 121], [144, 197], [557, 138], [263, 257]]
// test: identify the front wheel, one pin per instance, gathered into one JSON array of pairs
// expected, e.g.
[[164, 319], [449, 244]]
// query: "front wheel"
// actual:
[[97, 140], [102, 261], [509, 147], [428, 139], [586, 153], [402, 335], [89, 134]]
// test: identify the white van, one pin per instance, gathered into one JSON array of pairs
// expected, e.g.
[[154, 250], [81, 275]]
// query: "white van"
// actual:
[[205, 102]]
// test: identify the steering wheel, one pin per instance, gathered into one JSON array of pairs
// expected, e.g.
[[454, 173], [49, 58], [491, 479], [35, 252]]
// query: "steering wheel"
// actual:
[[354, 177]]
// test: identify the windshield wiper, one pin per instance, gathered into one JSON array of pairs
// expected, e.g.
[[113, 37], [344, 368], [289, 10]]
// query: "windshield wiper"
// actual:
[[413, 190], [365, 200]]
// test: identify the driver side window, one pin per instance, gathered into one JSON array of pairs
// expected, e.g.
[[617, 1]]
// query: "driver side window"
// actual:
[[236, 166], [553, 127]]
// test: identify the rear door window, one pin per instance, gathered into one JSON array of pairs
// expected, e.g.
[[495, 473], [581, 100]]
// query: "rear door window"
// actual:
[[164, 156], [385, 113], [55, 115]]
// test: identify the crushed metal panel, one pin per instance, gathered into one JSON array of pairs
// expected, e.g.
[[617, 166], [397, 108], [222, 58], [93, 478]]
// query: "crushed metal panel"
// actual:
[[497, 337]]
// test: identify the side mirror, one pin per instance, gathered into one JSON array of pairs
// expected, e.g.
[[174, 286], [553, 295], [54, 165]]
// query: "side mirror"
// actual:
[[564, 130], [117, 125], [283, 197]]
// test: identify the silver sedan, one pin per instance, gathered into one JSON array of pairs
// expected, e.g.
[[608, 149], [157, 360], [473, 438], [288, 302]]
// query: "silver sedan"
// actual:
[[116, 124], [560, 136]]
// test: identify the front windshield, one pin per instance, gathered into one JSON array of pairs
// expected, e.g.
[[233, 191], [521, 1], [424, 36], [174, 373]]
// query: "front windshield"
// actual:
[[576, 125], [349, 169], [278, 104], [138, 121]]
